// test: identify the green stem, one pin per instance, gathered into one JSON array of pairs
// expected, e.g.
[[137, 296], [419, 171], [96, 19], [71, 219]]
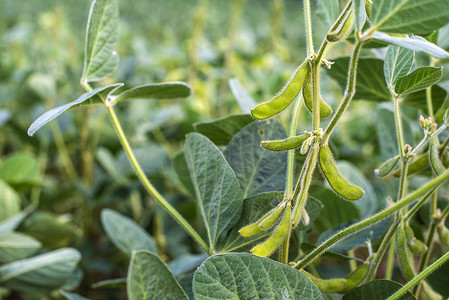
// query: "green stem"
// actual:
[[349, 94], [315, 95], [390, 259], [399, 130], [308, 19], [429, 102], [291, 153], [434, 183], [420, 277], [150, 188]]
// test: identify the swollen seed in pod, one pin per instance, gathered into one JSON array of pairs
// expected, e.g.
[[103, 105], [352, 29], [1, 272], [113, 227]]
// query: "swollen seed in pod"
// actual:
[[250, 230], [335, 179], [356, 277], [286, 96], [443, 234], [275, 214], [285, 144], [435, 162], [307, 94], [402, 255], [419, 163], [416, 246], [279, 234], [386, 167], [327, 286]]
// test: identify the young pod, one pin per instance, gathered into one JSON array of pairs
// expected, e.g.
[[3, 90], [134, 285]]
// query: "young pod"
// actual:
[[306, 145], [286, 144], [415, 245], [355, 277], [275, 214], [335, 179], [417, 164], [402, 254], [251, 230], [279, 234], [443, 234], [271, 216], [327, 286], [386, 167], [435, 162], [287, 94], [341, 29], [307, 94]]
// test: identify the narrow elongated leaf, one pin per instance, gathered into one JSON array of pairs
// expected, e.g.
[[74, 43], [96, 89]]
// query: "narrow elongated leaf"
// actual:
[[377, 289], [100, 58], [418, 80], [96, 96], [14, 246], [370, 81], [221, 131], [125, 233], [244, 100], [409, 16], [328, 11], [149, 278], [217, 189], [359, 14], [40, 274], [117, 282], [9, 201], [398, 63], [258, 170], [415, 43], [165, 90], [245, 276]]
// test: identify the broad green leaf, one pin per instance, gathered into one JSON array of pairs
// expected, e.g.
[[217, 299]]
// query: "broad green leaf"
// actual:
[[328, 11], [14, 221], [443, 37], [186, 284], [419, 79], [72, 296], [96, 96], [186, 262], [125, 233], [418, 100], [40, 274], [100, 57], [117, 282], [221, 131], [254, 207], [244, 100], [14, 246], [375, 290], [163, 90], [74, 280], [409, 16], [218, 192], [182, 171], [359, 14], [245, 276], [258, 170], [398, 63], [9, 201], [51, 230], [370, 83], [415, 43], [149, 278], [43, 85], [20, 169]]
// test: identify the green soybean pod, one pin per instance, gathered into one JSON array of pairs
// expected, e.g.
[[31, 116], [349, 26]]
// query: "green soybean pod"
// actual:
[[417, 164], [415, 245], [386, 167], [340, 30], [435, 162], [273, 242], [287, 94], [307, 94], [254, 229], [402, 254], [327, 286], [335, 179], [443, 234], [356, 277], [285, 144], [274, 215]]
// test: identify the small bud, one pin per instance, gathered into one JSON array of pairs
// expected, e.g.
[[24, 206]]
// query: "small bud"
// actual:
[[305, 146], [407, 149], [433, 128], [425, 123]]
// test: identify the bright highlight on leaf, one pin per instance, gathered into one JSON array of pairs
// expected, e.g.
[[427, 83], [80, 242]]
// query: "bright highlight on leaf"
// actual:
[[418, 80]]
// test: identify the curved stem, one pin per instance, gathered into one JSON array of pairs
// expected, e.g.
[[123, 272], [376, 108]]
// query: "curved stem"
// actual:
[[420, 277], [149, 187], [431, 185]]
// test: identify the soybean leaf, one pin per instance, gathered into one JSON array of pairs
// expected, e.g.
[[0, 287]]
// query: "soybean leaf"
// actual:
[[409, 16], [74, 280], [186, 284], [96, 96], [14, 246], [14, 221], [40, 274], [359, 14], [149, 278], [443, 37], [245, 276], [370, 83], [418, 99], [221, 131], [419, 79], [20, 169], [258, 170], [415, 43], [398, 63], [100, 57], [125, 233], [254, 207], [377, 289], [328, 11], [186, 262], [182, 171], [244, 100], [117, 282], [164, 90], [217, 189], [9, 202], [72, 296]]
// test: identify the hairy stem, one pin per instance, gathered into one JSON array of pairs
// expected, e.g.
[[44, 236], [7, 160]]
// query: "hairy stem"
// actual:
[[308, 19], [291, 153]]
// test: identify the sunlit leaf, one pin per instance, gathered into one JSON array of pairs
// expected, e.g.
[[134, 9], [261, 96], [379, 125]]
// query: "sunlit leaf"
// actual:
[[419, 79], [398, 62]]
